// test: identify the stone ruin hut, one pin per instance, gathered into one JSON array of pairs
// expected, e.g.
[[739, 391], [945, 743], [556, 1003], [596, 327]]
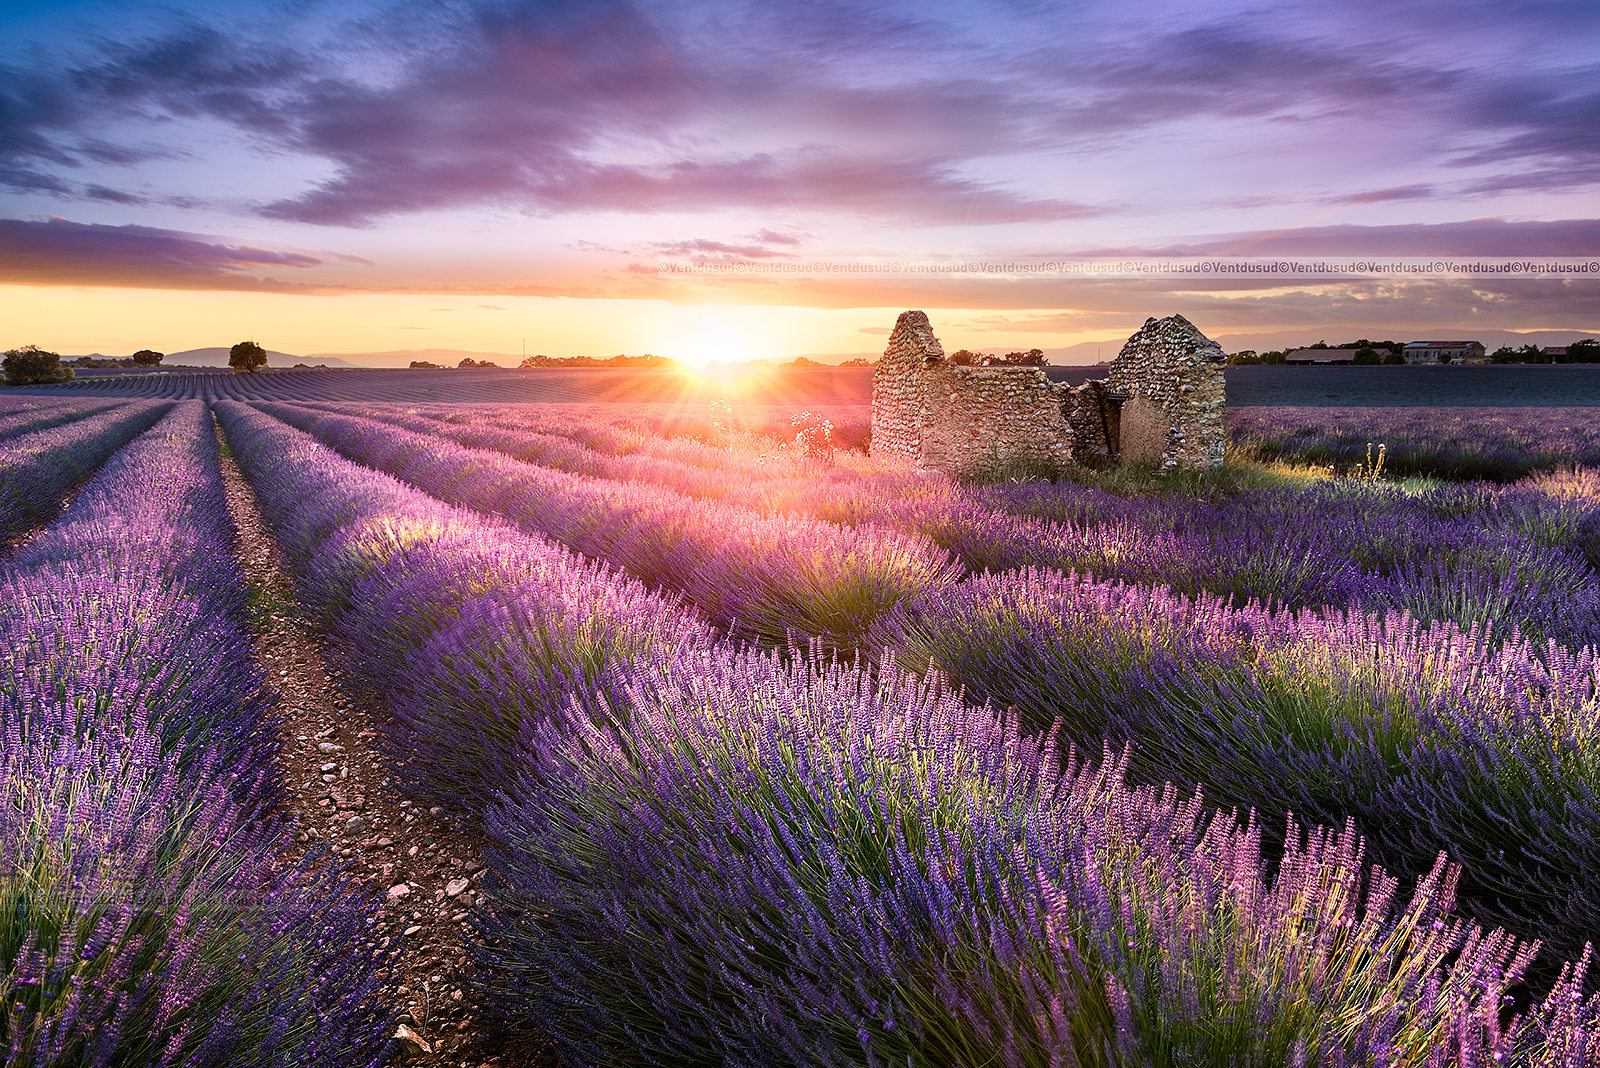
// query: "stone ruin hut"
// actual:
[[1162, 402]]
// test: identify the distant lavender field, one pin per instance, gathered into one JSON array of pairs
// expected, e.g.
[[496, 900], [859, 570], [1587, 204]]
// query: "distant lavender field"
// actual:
[[1485, 386], [1498, 444]]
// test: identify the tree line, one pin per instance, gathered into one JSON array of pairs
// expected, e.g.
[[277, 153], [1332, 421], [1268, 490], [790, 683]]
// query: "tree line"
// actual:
[[1585, 351], [32, 366]]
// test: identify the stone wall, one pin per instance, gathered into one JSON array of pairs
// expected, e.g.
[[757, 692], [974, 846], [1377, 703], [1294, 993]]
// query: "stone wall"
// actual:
[[980, 417], [1172, 376], [931, 413]]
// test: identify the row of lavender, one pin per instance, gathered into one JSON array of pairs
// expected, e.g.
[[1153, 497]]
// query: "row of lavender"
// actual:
[[765, 575], [25, 418], [711, 855], [147, 912], [39, 467], [1519, 559]]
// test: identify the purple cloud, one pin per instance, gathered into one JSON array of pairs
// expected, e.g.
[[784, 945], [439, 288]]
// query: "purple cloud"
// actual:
[[60, 252]]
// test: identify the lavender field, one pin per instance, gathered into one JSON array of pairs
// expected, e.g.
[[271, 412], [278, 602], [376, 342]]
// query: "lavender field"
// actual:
[[777, 755]]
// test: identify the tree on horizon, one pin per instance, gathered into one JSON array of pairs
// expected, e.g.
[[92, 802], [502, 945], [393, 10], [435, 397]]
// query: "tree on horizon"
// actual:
[[31, 366], [247, 357]]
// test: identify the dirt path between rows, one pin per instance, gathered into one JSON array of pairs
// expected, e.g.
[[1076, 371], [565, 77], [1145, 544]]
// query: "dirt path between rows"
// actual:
[[425, 870]]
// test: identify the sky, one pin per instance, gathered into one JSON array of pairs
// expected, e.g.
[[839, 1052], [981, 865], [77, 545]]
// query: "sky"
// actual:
[[730, 180]]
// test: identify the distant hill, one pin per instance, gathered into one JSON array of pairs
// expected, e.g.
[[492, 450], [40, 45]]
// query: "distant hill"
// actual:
[[217, 356], [404, 357]]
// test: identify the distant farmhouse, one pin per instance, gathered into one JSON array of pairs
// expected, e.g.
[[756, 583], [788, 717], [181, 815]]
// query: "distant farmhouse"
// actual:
[[1554, 352], [1446, 352], [1321, 356]]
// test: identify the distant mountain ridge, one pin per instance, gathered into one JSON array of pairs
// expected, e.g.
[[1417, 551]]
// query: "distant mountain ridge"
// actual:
[[217, 356], [404, 357]]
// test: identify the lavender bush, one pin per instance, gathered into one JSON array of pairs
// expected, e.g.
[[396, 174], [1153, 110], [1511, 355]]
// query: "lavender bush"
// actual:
[[1433, 740], [38, 468], [146, 920], [1507, 561], [148, 539], [808, 864], [147, 915]]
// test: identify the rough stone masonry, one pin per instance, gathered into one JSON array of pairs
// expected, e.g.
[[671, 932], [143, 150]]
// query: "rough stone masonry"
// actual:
[[1163, 403]]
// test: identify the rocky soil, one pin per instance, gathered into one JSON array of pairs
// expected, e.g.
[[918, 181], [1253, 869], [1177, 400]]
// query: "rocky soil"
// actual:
[[425, 871]]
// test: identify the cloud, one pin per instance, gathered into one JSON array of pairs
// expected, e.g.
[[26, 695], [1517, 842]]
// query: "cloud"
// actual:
[[1470, 237], [107, 195], [61, 252], [1547, 133], [701, 248], [525, 106], [756, 246], [1233, 69]]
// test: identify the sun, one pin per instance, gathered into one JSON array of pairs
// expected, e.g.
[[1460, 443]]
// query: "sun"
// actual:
[[717, 341]]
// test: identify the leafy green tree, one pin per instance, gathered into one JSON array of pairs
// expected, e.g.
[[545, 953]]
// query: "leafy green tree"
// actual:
[[147, 358], [247, 356], [1395, 358], [1366, 355], [1031, 358], [1585, 351], [965, 357], [30, 366]]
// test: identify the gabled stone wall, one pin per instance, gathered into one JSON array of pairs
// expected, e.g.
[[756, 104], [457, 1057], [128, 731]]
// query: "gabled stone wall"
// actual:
[[1172, 376], [899, 404], [934, 414]]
